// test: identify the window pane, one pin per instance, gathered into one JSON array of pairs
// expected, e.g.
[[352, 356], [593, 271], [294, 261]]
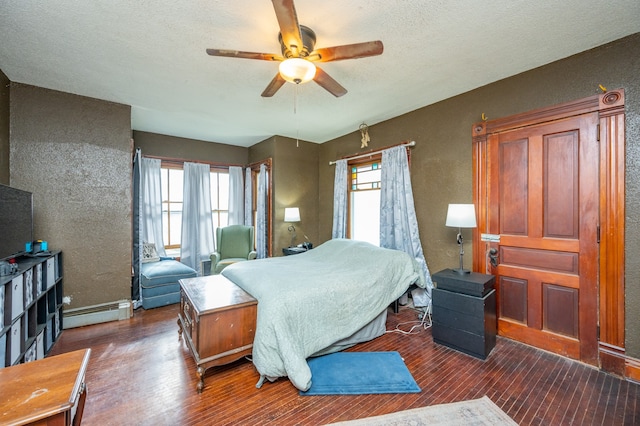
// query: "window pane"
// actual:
[[223, 189], [175, 185], [213, 182], [164, 182], [176, 228], [224, 219], [165, 223], [365, 216]]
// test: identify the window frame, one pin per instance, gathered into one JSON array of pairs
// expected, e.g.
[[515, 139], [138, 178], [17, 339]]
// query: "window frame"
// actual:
[[363, 158], [255, 170], [374, 158]]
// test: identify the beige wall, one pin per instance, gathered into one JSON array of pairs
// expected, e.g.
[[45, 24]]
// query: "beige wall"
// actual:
[[74, 154], [441, 161]]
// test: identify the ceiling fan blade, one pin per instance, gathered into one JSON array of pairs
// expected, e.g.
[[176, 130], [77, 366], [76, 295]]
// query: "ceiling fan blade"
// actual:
[[347, 51], [289, 26], [273, 86], [244, 55], [328, 83]]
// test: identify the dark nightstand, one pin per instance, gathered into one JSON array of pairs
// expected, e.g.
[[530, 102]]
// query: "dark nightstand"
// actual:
[[464, 312], [288, 251]]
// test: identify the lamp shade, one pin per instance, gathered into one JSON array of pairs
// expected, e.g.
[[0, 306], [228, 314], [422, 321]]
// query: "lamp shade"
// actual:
[[461, 216], [297, 70], [292, 214]]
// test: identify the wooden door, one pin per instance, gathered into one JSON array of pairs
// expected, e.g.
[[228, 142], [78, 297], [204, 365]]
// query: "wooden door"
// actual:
[[542, 218]]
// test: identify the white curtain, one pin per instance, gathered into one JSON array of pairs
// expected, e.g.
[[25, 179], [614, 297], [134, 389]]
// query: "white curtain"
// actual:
[[398, 222], [236, 196], [248, 198], [261, 229], [197, 224], [340, 200], [151, 199]]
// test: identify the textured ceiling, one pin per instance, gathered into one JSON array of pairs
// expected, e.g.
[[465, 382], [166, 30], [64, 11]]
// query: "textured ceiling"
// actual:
[[151, 55]]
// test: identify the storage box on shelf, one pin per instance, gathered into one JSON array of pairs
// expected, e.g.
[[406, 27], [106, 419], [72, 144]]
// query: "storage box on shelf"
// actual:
[[30, 309]]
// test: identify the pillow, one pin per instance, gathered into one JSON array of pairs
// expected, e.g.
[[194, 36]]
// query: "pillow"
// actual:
[[149, 253]]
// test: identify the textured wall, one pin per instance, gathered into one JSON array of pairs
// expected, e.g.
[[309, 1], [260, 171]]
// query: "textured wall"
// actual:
[[441, 161], [295, 184], [74, 154], [189, 149], [295, 174], [5, 90]]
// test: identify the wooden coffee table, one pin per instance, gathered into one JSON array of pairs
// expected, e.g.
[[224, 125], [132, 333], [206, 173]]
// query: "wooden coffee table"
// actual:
[[218, 321]]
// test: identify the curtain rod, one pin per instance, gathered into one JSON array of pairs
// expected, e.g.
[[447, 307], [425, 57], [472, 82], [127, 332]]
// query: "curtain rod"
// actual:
[[412, 143]]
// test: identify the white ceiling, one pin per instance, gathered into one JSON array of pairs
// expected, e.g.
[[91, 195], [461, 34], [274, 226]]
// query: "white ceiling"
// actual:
[[151, 55]]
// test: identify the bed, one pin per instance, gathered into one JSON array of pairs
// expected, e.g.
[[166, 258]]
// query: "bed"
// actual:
[[320, 301]]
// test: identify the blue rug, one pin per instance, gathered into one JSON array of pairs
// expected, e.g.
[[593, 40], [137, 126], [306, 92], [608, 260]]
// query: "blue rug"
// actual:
[[355, 373]]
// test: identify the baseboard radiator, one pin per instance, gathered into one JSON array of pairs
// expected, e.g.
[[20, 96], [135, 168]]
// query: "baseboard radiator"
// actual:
[[96, 314]]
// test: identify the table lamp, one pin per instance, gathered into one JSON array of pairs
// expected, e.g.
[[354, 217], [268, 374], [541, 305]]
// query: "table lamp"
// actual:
[[461, 216], [292, 214]]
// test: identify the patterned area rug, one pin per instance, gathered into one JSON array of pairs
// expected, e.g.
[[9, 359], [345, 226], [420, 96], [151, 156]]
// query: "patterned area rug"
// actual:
[[476, 412]]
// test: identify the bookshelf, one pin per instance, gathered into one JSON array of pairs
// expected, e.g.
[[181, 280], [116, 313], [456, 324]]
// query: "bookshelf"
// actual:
[[30, 309]]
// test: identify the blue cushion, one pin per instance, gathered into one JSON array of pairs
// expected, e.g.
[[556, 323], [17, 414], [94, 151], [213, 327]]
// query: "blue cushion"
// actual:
[[164, 272]]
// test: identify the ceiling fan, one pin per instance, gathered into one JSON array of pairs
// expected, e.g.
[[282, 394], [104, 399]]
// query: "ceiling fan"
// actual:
[[297, 43]]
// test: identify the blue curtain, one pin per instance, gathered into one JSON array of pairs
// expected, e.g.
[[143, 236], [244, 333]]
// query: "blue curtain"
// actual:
[[197, 224], [398, 222], [340, 200]]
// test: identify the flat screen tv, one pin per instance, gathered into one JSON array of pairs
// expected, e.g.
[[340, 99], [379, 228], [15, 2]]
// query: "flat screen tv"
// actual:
[[16, 221]]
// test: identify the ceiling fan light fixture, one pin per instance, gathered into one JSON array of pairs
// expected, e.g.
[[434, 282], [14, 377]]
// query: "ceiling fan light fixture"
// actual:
[[297, 70]]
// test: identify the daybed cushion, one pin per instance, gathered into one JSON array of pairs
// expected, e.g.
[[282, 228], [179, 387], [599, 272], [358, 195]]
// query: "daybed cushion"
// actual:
[[159, 282]]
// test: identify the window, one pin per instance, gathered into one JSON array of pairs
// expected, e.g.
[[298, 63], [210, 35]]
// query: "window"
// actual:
[[364, 201], [172, 198], [171, 206], [219, 198], [172, 185]]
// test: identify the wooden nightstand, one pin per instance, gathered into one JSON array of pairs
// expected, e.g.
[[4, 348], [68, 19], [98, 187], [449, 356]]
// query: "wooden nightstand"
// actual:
[[218, 321], [288, 251], [464, 312]]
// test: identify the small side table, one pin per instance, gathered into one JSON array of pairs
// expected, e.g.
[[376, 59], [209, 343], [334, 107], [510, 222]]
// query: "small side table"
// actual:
[[288, 251], [50, 391], [464, 312]]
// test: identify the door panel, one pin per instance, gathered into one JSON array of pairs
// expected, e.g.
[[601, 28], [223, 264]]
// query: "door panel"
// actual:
[[543, 199]]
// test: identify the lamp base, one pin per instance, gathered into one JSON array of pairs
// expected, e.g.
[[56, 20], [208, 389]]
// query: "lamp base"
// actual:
[[461, 271]]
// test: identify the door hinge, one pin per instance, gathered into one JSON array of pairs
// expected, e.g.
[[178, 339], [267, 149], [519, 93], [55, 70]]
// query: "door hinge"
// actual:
[[598, 132], [598, 234], [598, 331]]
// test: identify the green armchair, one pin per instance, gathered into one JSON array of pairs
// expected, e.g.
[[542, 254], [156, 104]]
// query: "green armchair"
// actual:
[[233, 244]]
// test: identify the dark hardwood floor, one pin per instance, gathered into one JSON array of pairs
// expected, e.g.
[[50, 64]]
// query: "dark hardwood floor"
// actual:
[[140, 373]]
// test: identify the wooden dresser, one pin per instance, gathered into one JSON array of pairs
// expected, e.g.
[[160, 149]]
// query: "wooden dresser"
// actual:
[[218, 321], [50, 391]]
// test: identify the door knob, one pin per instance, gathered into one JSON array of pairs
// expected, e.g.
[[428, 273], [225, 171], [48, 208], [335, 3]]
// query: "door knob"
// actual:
[[493, 257]]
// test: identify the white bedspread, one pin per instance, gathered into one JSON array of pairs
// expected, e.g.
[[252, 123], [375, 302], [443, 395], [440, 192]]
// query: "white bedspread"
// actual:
[[309, 301]]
